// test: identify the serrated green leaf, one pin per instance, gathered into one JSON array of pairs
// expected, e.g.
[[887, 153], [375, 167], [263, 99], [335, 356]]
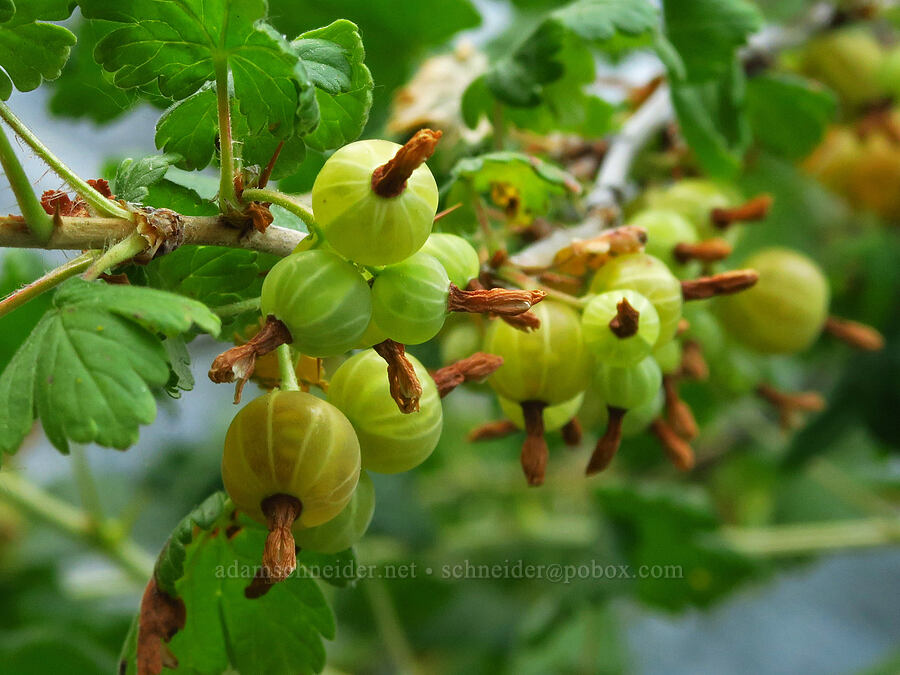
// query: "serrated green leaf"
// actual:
[[179, 45], [208, 562], [180, 376], [189, 128], [334, 56], [706, 33], [155, 310], [184, 200], [84, 89], [89, 367], [31, 50], [601, 19], [17, 268], [134, 178], [788, 114]]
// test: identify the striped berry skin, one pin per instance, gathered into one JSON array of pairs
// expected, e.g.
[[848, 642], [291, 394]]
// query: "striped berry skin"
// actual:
[[345, 529], [362, 225], [390, 441], [291, 443], [322, 299], [409, 299]]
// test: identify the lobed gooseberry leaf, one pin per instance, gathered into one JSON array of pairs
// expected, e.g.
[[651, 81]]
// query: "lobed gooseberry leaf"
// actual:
[[32, 50], [674, 529], [134, 177], [788, 114], [189, 128], [84, 89], [181, 46], [334, 56], [180, 376], [89, 366], [208, 561]]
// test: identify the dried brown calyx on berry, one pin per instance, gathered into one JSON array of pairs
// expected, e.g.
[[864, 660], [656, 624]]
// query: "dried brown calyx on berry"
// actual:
[[857, 335], [404, 383], [474, 368], [499, 301], [526, 321], [626, 321], [790, 406], [534, 450], [609, 442], [389, 179], [679, 452], [708, 250], [493, 430], [678, 413], [238, 362], [751, 210], [725, 283], [693, 363]]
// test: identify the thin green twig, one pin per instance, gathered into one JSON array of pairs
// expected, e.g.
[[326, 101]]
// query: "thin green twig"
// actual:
[[39, 221], [100, 204], [118, 253], [50, 280]]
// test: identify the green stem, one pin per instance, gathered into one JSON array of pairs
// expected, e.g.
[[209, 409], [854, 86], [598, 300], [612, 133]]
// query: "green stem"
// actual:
[[806, 538], [41, 505], [239, 307], [116, 254], [228, 200], [484, 223], [389, 626], [286, 202], [286, 369], [499, 125], [87, 487], [100, 204], [39, 221], [50, 280]]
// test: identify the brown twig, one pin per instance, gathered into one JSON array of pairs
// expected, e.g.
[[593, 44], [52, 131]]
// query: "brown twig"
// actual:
[[857, 335], [405, 386], [267, 172], [472, 368], [389, 179], [725, 283], [238, 362]]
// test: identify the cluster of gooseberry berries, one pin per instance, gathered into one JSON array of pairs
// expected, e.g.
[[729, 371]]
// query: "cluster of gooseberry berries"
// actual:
[[374, 278]]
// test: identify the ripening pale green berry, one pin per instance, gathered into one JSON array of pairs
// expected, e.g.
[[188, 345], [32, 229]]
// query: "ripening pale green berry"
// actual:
[[629, 387], [456, 255], [390, 441], [322, 299], [359, 223], [409, 299], [665, 230], [345, 529], [637, 419], [668, 357], [695, 199], [651, 278], [609, 341], [555, 416], [551, 364], [786, 309], [291, 443]]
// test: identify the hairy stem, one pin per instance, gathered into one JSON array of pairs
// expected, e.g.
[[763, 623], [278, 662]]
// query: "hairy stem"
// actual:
[[286, 368], [45, 283], [287, 202], [118, 253], [68, 519], [39, 221], [98, 203], [239, 307], [228, 201]]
